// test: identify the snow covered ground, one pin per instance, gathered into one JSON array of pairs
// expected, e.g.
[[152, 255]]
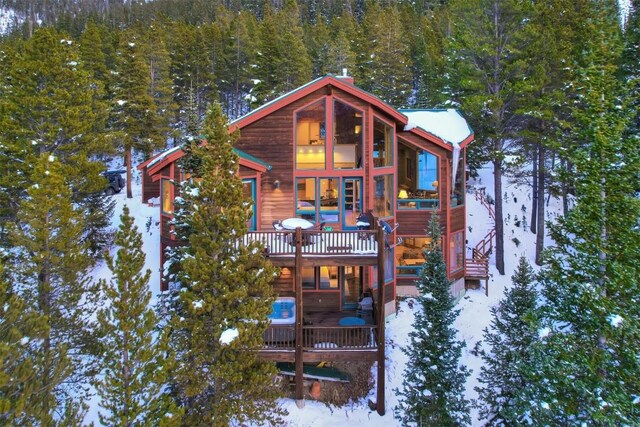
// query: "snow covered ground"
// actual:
[[475, 306]]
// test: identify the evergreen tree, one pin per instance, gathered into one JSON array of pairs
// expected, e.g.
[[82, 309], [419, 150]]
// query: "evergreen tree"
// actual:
[[50, 264], [591, 281], [283, 62], [510, 336], [433, 388], [136, 363], [160, 83], [486, 67], [225, 290], [190, 65], [20, 327], [133, 109], [389, 72], [50, 103]]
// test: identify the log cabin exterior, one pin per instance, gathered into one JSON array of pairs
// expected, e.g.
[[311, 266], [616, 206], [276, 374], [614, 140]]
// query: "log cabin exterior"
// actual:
[[328, 152]]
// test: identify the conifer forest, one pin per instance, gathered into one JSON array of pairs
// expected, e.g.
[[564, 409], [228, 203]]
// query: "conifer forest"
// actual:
[[550, 88]]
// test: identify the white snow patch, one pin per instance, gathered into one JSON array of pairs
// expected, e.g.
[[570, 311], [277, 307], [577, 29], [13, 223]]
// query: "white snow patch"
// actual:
[[448, 124], [228, 336], [615, 320]]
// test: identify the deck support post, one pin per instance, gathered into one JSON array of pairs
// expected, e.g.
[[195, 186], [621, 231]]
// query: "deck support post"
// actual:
[[299, 336], [380, 317]]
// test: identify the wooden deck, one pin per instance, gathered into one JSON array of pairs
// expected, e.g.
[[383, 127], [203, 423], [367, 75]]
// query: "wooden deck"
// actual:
[[318, 247]]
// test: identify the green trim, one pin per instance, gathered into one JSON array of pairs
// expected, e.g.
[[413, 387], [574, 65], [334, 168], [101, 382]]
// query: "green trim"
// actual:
[[251, 158]]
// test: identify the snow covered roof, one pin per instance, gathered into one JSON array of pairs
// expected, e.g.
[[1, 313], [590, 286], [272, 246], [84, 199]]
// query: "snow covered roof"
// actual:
[[446, 124]]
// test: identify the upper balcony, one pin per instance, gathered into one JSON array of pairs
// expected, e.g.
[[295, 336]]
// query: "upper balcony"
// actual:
[[319, 247]]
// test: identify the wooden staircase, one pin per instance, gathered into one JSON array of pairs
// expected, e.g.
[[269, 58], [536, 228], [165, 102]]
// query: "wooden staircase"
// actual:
[[477, 267]]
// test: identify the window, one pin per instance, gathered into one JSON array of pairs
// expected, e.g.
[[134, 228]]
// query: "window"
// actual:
[[317, 203], [347, 137], [306, 198], [310, 137], [329, 200], [167, 200], [383, 196], [409, 255], [419, 190], [456, 251], [325, 278], [388, 269], [382, 144], [249, 195], [457, 195], [352, 190]]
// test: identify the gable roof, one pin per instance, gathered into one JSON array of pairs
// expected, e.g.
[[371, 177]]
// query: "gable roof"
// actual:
[[159, 161], [312, 86]]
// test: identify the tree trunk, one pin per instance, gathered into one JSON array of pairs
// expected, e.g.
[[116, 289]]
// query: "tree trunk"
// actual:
[[540, 200], [534, 190], [497, 179], [565, 194], [127, 159]]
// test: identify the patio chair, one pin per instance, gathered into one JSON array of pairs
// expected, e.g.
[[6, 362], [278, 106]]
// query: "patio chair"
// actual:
[[277, 225]]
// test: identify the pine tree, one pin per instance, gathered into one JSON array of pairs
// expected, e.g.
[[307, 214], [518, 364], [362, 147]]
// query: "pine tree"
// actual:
[[51, 264], [433, 389], [225, 289], [133, 113], [160, 83], [591, 320], [136, 361], [19, 328], [283, 62], [389, 73], [485, 68], [509, 338], [50, 103]]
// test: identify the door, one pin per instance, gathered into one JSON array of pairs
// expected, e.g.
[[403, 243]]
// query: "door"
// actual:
[[249, 193], [351, 279], [351, 202]]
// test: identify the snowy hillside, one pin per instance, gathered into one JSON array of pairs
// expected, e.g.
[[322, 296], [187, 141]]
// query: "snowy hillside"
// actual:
[[475, 306]]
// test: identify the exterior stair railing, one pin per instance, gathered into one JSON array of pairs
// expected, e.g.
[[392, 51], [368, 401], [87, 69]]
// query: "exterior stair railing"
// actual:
[[478, 266]]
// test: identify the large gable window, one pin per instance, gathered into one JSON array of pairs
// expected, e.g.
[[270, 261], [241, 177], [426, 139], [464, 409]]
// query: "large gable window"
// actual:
[[418, 179], [310, 136], [382, 144], [347, 136]]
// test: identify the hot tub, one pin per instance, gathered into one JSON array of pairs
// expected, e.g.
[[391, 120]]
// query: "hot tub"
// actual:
[[284, 311], [282, 320]]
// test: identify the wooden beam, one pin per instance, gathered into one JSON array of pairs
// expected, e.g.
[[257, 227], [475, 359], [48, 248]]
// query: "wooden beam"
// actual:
[[381, 359], [298, 282]]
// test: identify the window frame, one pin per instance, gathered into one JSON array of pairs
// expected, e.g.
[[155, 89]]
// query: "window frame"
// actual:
[[392, 147], [170, 198], [322, 124], [334, 142], [254, 219], [456, 251]]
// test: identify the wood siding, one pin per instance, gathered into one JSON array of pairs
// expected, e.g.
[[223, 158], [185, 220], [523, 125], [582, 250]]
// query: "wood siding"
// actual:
[[272, 141], [320, 301]]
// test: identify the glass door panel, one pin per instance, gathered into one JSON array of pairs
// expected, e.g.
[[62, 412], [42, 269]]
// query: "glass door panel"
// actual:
[[352, 286], [352, 201]]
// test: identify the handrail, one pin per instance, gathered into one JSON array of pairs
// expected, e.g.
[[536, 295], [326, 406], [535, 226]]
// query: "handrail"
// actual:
[[321, 338], [484, 246], [339, 338], [317, 242]]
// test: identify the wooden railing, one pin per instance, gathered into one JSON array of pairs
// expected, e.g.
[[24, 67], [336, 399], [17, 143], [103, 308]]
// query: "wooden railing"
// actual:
[[477, 268], [484, 246], [339, 338], [321, 338], [317, 242]]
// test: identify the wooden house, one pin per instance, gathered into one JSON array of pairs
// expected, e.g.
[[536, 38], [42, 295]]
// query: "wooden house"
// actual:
[[329, 152]]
